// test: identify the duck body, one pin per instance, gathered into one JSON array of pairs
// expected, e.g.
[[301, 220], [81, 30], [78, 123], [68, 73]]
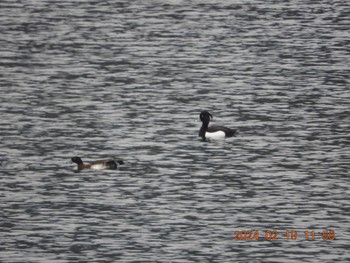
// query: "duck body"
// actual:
[[97, 165], [213, 132]]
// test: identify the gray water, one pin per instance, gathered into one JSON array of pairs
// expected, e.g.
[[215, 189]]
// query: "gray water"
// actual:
[[129, 78]]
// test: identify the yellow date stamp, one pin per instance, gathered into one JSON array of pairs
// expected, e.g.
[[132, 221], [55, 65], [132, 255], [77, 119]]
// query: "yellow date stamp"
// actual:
[[274, 235]]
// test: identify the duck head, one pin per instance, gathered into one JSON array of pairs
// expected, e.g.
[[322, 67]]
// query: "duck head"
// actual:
[[205, 116], [77, 160]]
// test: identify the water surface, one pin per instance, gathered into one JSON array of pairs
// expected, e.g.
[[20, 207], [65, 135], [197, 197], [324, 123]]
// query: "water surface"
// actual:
[[129, 79]]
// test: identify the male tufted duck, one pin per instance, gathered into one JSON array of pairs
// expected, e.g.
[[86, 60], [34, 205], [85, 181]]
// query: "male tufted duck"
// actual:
[[97, 165], [213, 132]]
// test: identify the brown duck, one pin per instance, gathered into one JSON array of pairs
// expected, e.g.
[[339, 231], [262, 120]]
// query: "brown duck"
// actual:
[[97, 165]]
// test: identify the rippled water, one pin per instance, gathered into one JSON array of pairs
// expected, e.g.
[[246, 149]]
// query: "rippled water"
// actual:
[[129, 79]]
